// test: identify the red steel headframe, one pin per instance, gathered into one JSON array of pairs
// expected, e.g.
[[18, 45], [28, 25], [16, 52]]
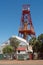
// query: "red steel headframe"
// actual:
[[26, 27]]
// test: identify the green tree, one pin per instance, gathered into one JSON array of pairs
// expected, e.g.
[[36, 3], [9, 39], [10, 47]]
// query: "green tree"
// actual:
[[8, 49], [40, 38], [15, 43], [32, 40], [36, 46]]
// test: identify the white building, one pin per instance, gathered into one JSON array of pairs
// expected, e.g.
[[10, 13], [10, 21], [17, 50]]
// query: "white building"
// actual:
[[3, 45]]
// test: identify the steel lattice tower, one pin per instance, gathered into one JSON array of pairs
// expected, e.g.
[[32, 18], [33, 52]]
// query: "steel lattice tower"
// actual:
[[26, 27]]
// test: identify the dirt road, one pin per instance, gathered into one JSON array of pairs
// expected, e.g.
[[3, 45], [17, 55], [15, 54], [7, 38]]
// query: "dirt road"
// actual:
[[18, 62]]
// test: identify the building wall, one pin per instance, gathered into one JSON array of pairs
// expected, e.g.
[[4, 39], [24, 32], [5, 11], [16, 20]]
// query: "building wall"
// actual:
[[21, 52]]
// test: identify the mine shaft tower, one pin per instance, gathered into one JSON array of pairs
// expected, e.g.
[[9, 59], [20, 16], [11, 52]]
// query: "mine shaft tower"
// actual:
[[26, 27]]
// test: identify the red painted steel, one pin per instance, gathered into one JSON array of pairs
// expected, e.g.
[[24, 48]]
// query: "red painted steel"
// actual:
[[26, 27]]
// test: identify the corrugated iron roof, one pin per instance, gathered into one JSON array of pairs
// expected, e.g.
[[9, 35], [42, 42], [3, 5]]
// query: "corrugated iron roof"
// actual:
[[21, 48]]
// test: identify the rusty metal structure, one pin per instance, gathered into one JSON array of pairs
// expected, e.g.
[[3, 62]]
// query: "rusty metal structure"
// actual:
[[26, 27]]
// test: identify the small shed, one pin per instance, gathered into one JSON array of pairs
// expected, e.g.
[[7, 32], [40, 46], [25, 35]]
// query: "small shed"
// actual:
[[22, 53]]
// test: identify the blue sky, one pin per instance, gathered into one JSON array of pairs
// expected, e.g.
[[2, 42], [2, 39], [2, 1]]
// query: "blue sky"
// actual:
[[10, 15]]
